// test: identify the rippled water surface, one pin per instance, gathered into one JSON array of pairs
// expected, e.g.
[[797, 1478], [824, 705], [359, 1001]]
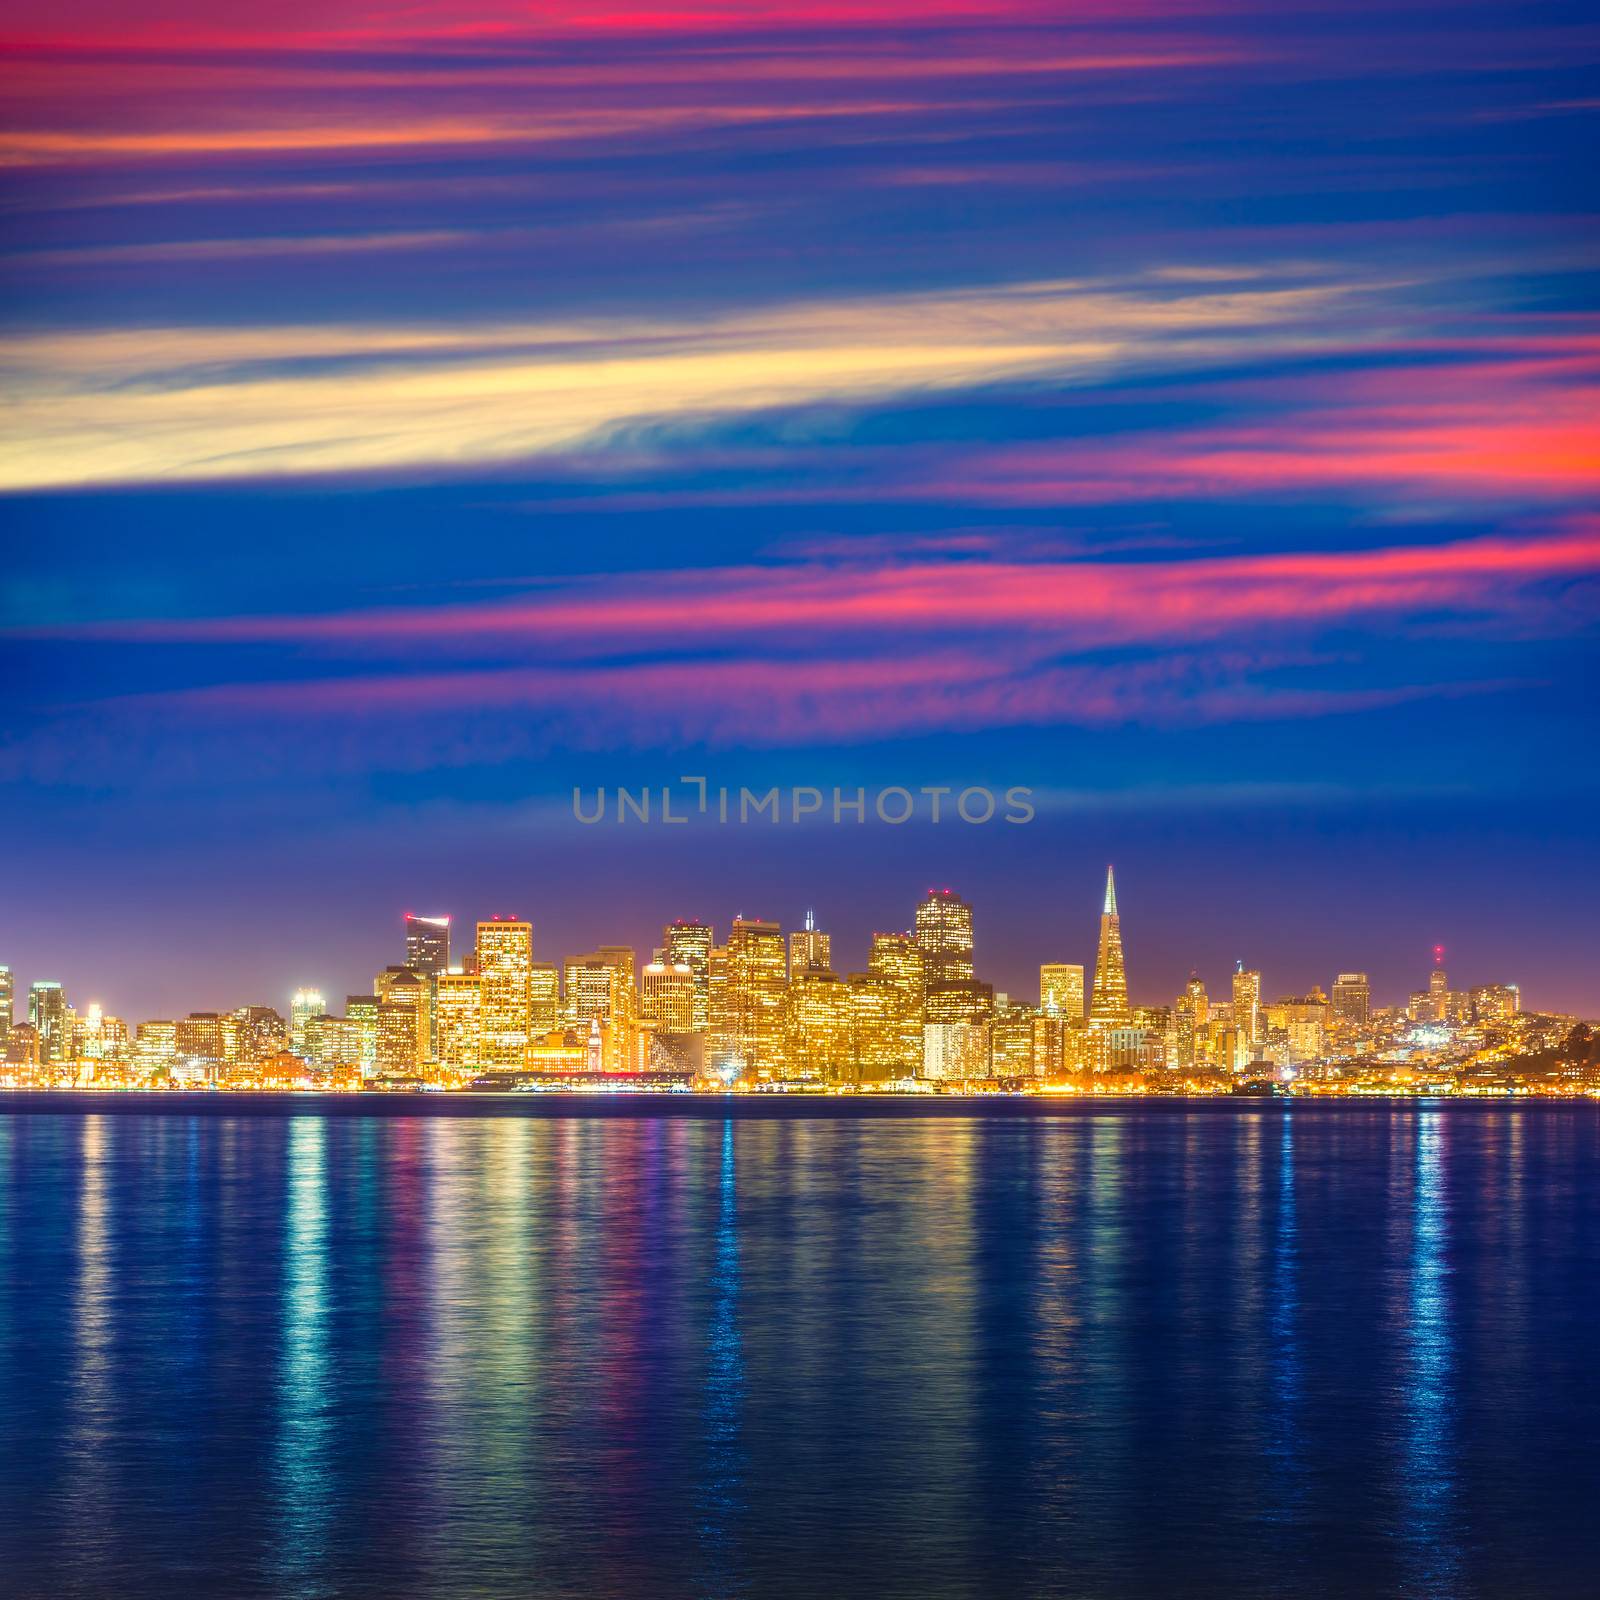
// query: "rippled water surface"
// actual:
[[1129, 1350]]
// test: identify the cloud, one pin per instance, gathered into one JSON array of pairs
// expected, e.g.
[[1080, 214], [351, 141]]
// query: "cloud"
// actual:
[[180, 404]]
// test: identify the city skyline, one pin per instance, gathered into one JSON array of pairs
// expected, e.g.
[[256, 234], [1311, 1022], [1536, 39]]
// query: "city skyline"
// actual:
[[853, 943]]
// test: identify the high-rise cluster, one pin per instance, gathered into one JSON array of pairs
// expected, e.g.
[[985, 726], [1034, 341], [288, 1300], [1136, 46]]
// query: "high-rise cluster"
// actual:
[[757, 1006]]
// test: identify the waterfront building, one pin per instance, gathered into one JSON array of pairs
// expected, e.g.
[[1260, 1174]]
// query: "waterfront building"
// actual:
[[885, 1029], [413, 992], [955, 1051], [458, 1021], [966, 1000], [1110, 1002], [898, 960], [816, 1027], [746, 1023], [505, 984], [1011, 1040], [544, 998]]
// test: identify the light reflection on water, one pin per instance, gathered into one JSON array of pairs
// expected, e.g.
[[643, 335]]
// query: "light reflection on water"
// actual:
[[1214, 1352]]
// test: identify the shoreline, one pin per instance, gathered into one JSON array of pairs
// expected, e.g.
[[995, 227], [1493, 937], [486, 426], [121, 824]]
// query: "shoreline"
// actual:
[[726, 1107]]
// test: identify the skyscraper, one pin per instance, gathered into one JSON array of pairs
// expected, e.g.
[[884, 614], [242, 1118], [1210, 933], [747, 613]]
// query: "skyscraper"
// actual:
[[47, 1012], [1247, 1005], [458, 1036], [427, 944], [1352, 999], [687, 943], [944, 931], [1110, 1003], [667, 997], [1061, 989], [8, 1000], [747, 1024], [897, 958], [809, 949], [303, 1006], [505, 985]]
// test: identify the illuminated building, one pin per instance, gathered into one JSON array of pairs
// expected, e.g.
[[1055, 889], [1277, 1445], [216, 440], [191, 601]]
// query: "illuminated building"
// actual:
[[746, 1024], [1352, 1000], [1011, 1042], [411, 992], [598, 988], [1061, 989], [1247, 1004], [331, 1042], [687, 943], [544, 988], [505, 983], [968, 1001], [47, 1015], [897, 958], [1302, 1021], [1050, 1031], [1110, 1003], [1199, 1004], [361, 1013], [206, 1036], [8, 1000], [21, 1045], [885, 1029], [944, 933], [955, 1051], [1496, 1002], [260, 1032], [427, 945], [305, 1004], [1132, 1049], [816, 1027], [155, 1043], [458, 1035], [667, 997], [809, 949]]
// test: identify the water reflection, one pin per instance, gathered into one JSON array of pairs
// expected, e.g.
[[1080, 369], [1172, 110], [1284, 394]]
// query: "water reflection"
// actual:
[[305, 1494], [1209, 1353]]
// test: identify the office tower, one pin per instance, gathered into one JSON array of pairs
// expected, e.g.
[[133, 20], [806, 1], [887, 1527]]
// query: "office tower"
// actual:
[[400, 986], [599, 986], [687, 943], [667, 997], [303, 1006], [1199, 1002], [458, 1039], [544, 982], [1247, 1005], [816, 1027], [897, 958], [1352, 999], [944, 933], [809, 949], [970, 1000], [505, 983], [21, 1045], [1011, 1040], [885, 1027], [1110, 1003], [746, 1023], [155, 1043], [1061, 989], [427, 944], [47, 1014], [400, 1035], [361, 1016], [204, 1036], [8, 1000]]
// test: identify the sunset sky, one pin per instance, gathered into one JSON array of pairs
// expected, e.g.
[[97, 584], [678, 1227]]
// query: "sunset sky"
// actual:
[[1189, 409]]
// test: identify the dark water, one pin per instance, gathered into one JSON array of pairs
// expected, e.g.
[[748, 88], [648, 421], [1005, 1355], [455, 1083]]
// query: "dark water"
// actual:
[[1221, 1350]]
